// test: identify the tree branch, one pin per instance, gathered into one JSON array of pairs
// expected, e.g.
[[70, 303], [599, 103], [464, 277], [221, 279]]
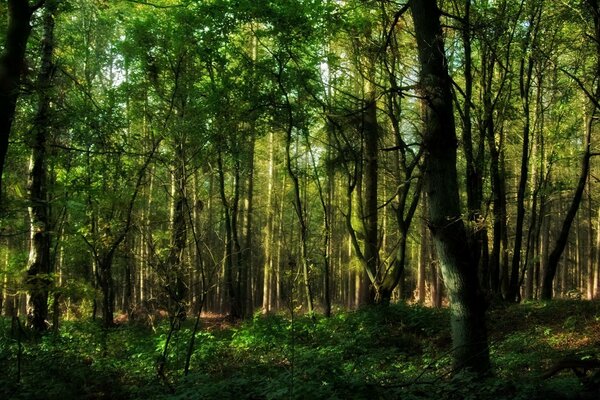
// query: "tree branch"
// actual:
[[160, 6], [397, 17]]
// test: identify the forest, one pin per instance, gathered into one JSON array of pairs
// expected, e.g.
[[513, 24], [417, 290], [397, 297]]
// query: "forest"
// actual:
[[300, 199]]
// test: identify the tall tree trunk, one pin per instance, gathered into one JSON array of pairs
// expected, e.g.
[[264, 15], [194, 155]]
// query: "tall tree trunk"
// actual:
[[233, 306], [325, 198], [12, 68], [597, 263], [423, 256], [39, 265], [497, 258], [525, 75], [467, 305], [268, 234], [561, 242], [298, 204], [235, 235], [107, 286], [301, 214], [474, 157], [408, 193], [591, 247], [129, 276], [176, 285], [248, 254], [370, 182]]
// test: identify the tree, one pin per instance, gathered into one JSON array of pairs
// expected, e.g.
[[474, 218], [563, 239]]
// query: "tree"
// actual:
[[593, 96], [13, 67], [525, 83], [469, 336], [39, 265]]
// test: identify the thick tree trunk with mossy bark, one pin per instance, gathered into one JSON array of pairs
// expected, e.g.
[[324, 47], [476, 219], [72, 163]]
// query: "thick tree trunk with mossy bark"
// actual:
[[469, 335], [12, 68]]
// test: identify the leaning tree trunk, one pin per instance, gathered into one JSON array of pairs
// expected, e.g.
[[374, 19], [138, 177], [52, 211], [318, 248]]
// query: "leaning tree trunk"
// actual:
[[561, 242], [469, 335], [39, 266]]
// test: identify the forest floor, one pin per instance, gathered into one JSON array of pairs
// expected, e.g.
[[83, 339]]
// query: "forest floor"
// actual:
[[401, 352]]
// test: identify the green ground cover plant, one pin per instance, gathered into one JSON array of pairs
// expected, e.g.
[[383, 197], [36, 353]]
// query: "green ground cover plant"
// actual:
[[395, 352]]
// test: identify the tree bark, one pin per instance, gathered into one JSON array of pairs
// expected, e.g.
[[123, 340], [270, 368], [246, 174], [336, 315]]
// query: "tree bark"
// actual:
[[40, 264], [268, 234], [231, 287], [247, 266], [525, 77], [467, 305], [370, 181], [477, 233], [12, 68], [561, 242], [176, 285]]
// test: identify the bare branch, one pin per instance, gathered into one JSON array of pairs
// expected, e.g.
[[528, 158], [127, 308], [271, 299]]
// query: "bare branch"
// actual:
[[397, 17], [161, 6]]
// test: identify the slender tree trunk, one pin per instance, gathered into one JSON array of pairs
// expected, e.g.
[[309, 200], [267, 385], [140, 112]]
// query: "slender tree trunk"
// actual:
[[527, 273], [247, 276], [176, 285], [268, 232], [229, 275], [474, 157], [436, 280], [562, 240], [591, 245], [597, 263], [39, 265], [107, 286], [370, 181], [301, 214], [129, 277], [298, 204], [497, 258], [279, 248], [469, 333], [423, 256], [4, 291], [525, 84]]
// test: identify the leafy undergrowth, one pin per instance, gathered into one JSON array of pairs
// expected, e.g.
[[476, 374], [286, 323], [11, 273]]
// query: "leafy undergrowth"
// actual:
[[400, 352]]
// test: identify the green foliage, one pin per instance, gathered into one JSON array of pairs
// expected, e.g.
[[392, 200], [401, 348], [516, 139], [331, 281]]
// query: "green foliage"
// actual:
[[398, 351]]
